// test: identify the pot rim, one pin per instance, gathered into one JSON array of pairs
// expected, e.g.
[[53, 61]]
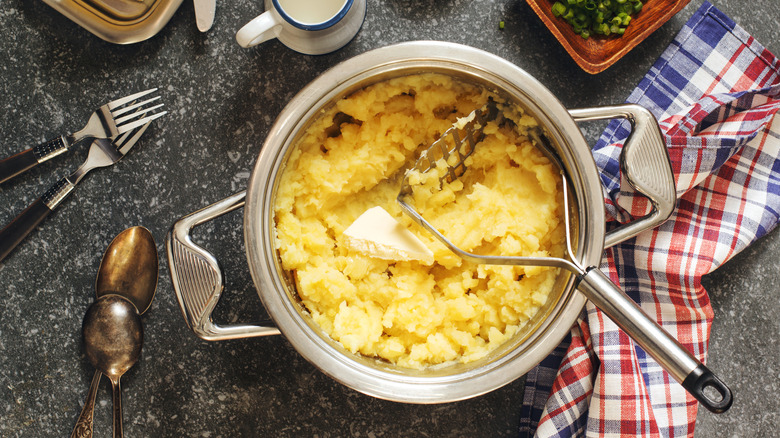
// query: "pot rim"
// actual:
[[437, 384]]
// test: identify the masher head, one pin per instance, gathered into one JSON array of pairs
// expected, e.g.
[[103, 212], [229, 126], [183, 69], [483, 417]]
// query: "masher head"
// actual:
[[452, 148], [447, 157]]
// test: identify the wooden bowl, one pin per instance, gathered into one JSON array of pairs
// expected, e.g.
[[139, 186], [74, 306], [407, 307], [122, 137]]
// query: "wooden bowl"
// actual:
[[598, 52]]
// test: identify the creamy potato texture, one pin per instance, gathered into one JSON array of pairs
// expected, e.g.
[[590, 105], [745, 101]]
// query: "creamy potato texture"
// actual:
[[414, 315]]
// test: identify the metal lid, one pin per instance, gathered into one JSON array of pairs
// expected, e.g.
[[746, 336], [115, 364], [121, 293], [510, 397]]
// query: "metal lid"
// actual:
[[118, 21]]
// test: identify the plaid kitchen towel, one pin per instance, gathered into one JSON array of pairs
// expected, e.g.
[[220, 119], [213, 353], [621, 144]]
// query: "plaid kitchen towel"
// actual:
[[714, 91]]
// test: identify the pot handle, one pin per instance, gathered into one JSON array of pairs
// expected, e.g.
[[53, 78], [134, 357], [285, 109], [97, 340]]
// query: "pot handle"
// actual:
[[197, 278], [645, 163], [657, 342]]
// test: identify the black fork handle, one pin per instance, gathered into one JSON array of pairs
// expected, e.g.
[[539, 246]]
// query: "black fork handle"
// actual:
[[16, 164], [15, 232], [26, 160], [28, 220]]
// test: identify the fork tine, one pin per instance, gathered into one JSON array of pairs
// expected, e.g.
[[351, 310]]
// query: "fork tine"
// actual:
[[140, 113], [129, 139], [128, 126], [121, 101], [121, 139], [134, 105]]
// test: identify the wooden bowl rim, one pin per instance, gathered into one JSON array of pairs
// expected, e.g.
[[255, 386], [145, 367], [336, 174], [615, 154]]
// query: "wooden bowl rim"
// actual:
[[578, 47]]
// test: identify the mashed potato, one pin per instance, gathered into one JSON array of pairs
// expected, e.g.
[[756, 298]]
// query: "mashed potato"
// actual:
[[414, 315]]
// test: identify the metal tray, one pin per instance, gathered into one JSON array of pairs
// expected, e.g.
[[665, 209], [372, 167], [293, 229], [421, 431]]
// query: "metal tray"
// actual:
[[118, 21]]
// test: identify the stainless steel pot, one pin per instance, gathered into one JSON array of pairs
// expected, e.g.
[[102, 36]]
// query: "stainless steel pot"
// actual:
[[197, 278]]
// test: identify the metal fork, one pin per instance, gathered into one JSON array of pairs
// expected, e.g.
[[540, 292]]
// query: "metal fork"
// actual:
[[102, 153], [110, 120]]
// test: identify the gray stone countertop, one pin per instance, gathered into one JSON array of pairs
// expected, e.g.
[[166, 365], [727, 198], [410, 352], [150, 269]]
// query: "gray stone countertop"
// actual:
[[222, 101]]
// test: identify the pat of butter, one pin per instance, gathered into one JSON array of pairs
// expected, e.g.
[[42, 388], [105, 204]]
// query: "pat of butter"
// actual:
[[377, 234]]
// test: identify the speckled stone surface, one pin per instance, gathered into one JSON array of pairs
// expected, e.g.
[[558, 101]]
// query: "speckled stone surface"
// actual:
[[222, 101]]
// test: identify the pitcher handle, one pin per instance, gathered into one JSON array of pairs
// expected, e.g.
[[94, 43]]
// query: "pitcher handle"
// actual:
[[645, 163], [262, 28], [197, 277]]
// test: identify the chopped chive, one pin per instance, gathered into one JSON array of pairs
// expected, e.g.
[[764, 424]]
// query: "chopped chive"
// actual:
[[558, 9], [596, 17]]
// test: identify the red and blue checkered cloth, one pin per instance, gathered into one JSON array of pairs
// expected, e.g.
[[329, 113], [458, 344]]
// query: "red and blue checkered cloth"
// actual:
[[714, 91]]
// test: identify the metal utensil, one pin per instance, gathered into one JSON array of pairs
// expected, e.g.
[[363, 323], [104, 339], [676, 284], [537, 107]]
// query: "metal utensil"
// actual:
[[204, 13], [113, 337], [102, 153], [83, 428], [129, 268], [110, 120], [459, 142]]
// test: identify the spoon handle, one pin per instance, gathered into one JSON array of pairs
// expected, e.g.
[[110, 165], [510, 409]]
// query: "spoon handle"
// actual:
[[83, 428], [117, 397]]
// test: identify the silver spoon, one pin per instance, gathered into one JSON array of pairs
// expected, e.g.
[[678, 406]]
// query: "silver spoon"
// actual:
[[129, 268], [113, 337]]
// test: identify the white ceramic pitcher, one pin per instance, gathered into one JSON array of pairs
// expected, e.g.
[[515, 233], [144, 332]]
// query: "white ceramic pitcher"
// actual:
[[312, 27]]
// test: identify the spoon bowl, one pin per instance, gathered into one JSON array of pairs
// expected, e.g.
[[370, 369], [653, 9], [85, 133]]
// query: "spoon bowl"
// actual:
[[113, 337], [129, 268]]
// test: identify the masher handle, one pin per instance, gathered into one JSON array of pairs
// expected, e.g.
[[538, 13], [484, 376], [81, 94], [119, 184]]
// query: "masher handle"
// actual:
[[657, 342]]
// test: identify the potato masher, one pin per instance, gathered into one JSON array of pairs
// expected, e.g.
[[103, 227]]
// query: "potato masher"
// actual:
[[461, 140]]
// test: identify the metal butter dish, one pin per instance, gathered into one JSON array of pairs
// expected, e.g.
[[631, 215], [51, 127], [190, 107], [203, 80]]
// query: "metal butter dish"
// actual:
[[118, 21]]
